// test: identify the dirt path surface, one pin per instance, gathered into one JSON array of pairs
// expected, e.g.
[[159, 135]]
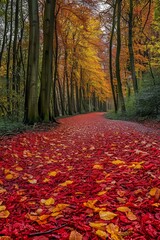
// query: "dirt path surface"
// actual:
[[89, 178]]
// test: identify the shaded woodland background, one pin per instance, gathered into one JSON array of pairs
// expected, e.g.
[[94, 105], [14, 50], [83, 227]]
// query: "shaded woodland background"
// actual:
[[66, 57]]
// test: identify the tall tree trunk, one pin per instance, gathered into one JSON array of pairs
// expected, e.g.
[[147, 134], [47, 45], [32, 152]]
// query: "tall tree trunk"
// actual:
[[9, 85], [56, 49], [130, 47], [110, 57], [31, 98], [47, 62], [118, 74], [14, 69], [5, 32]]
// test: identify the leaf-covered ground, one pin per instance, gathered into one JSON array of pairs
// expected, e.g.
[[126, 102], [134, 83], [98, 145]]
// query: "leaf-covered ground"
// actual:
[[89, 178]]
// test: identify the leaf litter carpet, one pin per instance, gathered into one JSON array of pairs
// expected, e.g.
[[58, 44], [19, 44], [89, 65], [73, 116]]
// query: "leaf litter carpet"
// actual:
[[89, 178]]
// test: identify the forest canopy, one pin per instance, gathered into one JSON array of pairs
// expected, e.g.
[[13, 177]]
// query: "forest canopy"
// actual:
[[67, 56]]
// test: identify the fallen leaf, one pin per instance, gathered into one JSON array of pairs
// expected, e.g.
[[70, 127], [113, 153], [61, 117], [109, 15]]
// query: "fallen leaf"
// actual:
[[90, 203], [114, 231], [48, 202], [98, 225], [68, 182], [2, 208], [43, 217], [53, 173], [117, 162], [101, 193], [123, 209], [4, 214], [97, 166], [32, 181], [101, 234], [131, 216], [153, 191], [9, 176], [106, 215], [74, 235]]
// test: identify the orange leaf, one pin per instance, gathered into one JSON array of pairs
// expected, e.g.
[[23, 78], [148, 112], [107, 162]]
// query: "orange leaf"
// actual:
[[4, 214], [131, 216]]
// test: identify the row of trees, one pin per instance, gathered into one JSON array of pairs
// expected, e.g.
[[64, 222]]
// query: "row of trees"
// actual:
[[50, 57], [71, 56]]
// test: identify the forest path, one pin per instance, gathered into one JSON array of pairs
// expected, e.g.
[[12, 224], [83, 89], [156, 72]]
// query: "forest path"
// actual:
[[88, 169]]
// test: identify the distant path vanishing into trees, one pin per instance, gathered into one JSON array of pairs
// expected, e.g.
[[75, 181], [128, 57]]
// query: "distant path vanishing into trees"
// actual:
[[88, 178]]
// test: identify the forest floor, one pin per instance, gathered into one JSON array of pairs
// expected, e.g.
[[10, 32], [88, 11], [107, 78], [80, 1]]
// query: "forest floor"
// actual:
[[87, 178]]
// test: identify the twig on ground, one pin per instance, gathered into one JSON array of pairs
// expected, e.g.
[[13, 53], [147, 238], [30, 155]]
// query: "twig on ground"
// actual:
[[46, 232]]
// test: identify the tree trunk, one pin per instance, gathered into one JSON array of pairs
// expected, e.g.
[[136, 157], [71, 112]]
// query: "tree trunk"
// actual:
[[31, 98], [119, 84], [5, 32], [47, 62], [110, 59], [130, 47]]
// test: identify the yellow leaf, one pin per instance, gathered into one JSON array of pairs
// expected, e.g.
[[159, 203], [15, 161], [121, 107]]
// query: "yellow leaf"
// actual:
[[4, 214], [90, 203], [43, 217], [114, 231], [74, 235], [101, 234], [68, 182], [117, 162], [2, 208], [19, 168], [32, 181], [55, 214], [52, 174], [123, 209], [101, 193], [97, 166], [9, 176], [153, 191], [59, 207], [106, 215], [131, 216], [48, 202], [46, 180], [98, 225]]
